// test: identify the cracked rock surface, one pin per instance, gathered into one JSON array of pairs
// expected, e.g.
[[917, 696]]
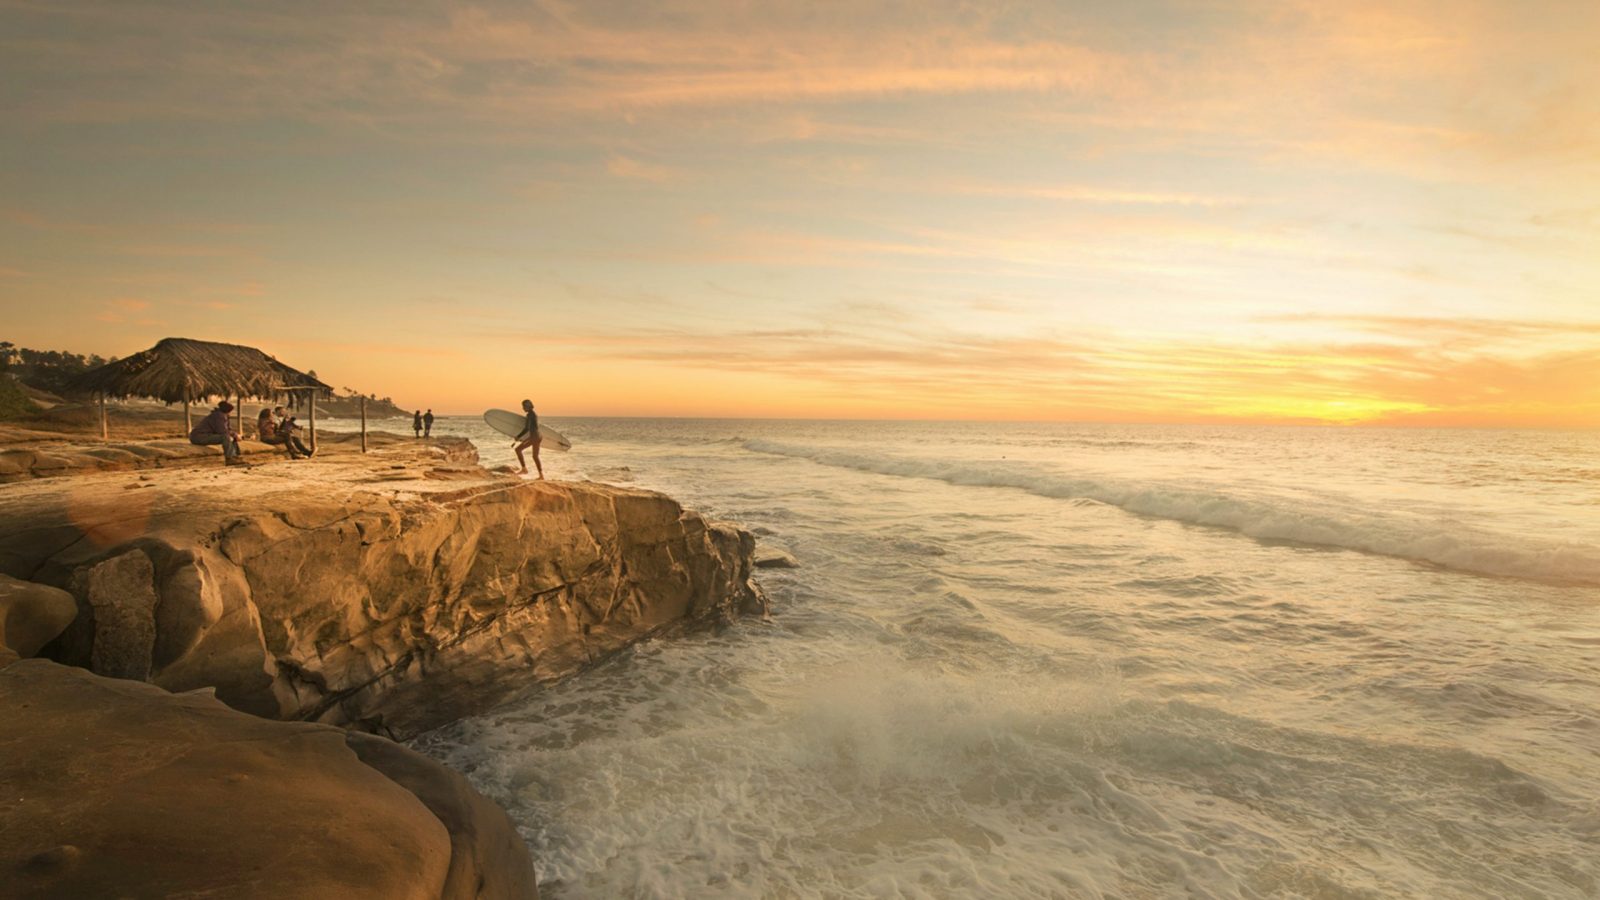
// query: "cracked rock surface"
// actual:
[[392, 592]]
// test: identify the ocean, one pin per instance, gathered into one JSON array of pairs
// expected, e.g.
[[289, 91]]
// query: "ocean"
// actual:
[[1029, 660]]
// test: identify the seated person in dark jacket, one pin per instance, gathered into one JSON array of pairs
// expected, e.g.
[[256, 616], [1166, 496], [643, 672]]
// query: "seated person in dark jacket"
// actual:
[[215, 429], [268, 430]]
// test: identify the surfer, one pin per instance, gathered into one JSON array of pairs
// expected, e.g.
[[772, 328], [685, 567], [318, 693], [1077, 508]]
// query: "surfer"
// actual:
[[529, 437]]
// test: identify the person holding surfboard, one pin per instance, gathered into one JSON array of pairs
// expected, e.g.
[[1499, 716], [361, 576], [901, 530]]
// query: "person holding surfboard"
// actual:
[[529, 437], [524, 428]]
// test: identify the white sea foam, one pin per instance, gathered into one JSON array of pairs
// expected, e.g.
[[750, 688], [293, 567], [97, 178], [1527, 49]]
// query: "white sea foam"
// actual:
[[1265, 517], [882, 781], [871, 782], [961, 694]]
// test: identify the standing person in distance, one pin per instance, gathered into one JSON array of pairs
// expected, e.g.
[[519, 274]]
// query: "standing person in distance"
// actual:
[[427, 424], [529, 437], [416, 422]]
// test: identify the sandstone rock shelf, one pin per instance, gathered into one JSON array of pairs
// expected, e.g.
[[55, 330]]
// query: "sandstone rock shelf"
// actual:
[[27, 454], [393, 591]]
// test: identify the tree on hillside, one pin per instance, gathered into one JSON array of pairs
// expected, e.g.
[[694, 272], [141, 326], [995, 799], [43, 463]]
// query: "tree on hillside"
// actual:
[[50, 370]]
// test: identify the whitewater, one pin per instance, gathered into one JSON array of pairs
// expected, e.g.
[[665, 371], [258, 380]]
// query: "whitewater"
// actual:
[[1030, 660]]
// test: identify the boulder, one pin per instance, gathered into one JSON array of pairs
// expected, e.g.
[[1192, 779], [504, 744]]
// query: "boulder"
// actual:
[[488, 860], [116, 788], [31, 615]]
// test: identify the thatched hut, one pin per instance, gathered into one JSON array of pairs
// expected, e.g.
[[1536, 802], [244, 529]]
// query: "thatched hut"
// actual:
[[179, 370]]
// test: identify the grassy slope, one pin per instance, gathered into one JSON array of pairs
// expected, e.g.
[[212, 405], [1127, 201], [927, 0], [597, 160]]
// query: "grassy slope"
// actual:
[[14, 402]]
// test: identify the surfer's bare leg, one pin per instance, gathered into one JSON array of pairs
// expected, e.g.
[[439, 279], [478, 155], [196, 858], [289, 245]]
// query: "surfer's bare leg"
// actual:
[[519, 447], [539, 465]]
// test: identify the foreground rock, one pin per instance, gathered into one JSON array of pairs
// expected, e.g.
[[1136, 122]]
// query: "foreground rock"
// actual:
[[31, 615], [119, 789], [394, 592]]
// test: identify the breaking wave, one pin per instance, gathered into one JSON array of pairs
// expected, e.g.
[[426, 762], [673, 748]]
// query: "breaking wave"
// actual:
[[1268, 518]]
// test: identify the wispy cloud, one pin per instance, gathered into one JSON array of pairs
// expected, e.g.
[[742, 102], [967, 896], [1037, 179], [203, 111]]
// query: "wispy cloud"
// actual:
[[1450, 332], [638, 170], [1102, 195], [38, 222], [127, 310]]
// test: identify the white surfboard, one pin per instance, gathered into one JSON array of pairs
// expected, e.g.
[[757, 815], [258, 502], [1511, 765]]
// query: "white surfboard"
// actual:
[[511, 424]]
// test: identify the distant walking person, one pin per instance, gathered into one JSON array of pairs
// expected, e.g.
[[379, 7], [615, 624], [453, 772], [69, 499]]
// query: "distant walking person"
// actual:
[[214, 429], [416, 423], [427, 424], [529, 437]]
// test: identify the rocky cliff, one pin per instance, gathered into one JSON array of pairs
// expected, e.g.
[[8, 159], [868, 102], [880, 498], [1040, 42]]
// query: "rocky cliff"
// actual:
[[392, 592]]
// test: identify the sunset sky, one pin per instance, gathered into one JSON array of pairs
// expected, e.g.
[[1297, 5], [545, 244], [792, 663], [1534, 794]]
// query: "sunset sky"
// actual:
[[1233, 210]]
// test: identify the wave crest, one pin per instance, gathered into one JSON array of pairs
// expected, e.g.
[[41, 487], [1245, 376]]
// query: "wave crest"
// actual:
[[1434, 541]]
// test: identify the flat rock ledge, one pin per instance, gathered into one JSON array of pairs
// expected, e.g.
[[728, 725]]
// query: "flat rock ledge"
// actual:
[[391, 592], [113, 788], [27, 455]]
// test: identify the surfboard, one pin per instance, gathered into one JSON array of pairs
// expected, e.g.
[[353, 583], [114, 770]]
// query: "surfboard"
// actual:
[[510, 424]]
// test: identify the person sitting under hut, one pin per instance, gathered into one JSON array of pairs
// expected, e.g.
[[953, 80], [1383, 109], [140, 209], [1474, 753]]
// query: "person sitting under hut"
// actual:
[[288, 427], [268, 430], [215, 429]]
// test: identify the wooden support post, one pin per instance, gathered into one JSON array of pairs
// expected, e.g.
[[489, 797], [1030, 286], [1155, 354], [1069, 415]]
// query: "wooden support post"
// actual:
[[363, 424], [313, 401], [238, 416], [105, 425], [188, 423]]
